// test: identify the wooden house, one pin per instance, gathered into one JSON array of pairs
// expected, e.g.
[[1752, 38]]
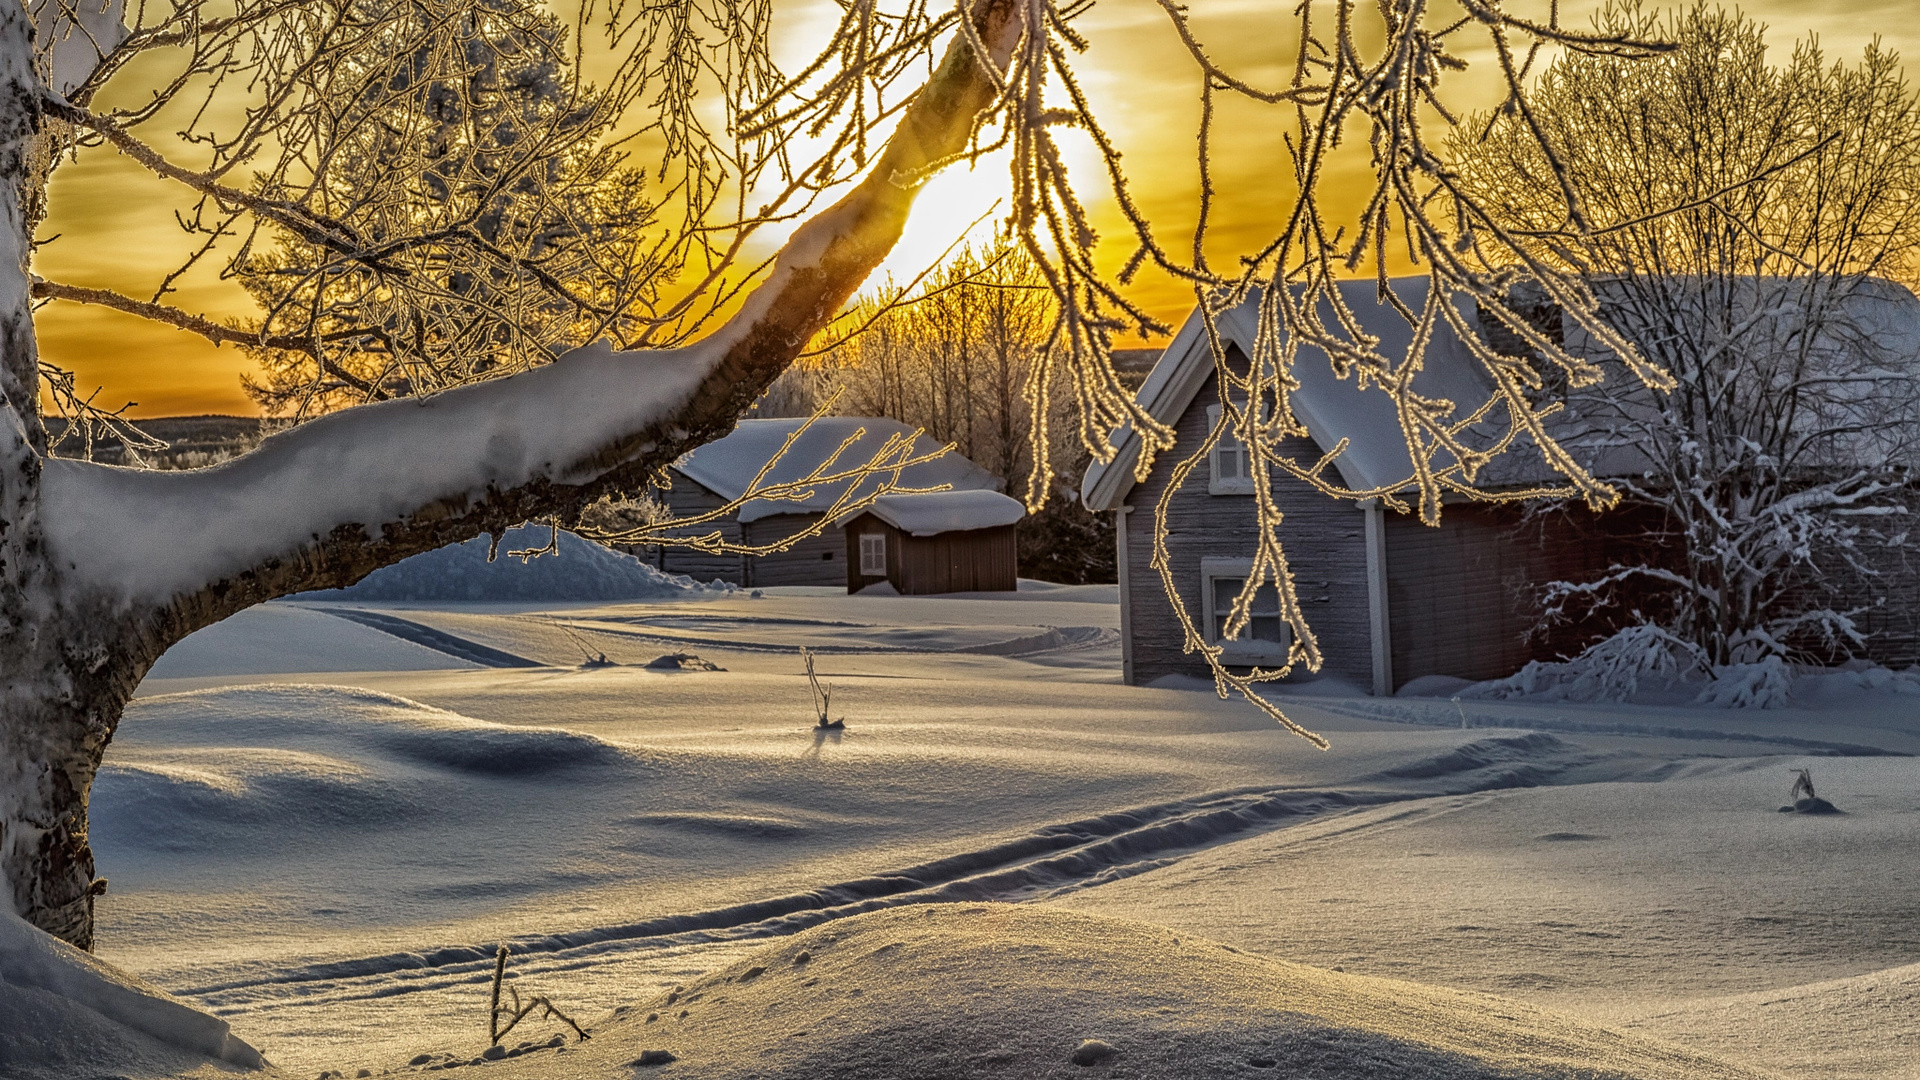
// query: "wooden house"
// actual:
[[1389, 599], [938, 542], [724, 470]]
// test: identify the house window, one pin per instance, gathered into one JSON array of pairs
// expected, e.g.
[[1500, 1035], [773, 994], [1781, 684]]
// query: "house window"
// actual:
[[1264, 639], [873, 554], [1229, 470]]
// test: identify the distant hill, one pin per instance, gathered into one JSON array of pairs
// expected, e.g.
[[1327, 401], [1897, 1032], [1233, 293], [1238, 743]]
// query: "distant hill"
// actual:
[[1132, 365], [192, 441]]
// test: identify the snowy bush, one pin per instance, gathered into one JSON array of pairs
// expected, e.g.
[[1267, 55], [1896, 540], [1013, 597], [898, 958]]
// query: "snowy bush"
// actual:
[[1767, 684], [1777, 460], [1610, 670], [1647, 657]]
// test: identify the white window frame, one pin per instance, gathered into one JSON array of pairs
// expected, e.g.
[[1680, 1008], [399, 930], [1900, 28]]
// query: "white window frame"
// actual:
[[873, 554], [1218, 482], [1238, 650]]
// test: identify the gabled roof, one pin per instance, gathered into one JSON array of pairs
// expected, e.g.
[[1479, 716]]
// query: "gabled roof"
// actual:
[[1879, 311], [939, 512], [1330, 407], [727, 466]]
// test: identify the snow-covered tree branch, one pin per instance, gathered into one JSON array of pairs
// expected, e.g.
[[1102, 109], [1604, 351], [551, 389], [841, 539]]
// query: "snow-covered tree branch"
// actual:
[[102, 568]]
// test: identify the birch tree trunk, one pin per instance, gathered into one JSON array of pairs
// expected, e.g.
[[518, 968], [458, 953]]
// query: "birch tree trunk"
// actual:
[[101, 569]]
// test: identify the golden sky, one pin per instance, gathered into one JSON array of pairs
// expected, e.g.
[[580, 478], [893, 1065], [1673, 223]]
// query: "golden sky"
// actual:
[[116, 229]]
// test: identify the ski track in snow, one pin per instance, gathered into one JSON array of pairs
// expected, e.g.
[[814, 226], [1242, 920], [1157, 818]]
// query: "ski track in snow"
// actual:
[[1042, 865], [438, 640], [1045, 640], [316, 813]]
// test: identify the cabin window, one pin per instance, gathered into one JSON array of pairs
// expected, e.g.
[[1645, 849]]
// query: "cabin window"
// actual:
[[1264, 639], [873, 554], [1229, 469]]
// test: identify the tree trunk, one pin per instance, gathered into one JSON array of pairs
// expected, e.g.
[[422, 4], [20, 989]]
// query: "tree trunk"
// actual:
[[102, 569]]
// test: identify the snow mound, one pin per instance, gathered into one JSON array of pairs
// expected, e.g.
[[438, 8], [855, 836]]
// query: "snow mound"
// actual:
[[66, 1013], [203, 801], [333, 719], [236, 768], [964, 990], [1506, 761], [579, 570], [1767, 684], [1612, 670]]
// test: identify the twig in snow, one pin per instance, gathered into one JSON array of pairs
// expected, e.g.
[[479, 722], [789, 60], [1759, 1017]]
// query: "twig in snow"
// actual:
[[822, 694], [518, 1011]]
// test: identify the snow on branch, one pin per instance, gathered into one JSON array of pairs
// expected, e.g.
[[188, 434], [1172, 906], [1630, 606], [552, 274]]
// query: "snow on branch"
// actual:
[[333, 499]]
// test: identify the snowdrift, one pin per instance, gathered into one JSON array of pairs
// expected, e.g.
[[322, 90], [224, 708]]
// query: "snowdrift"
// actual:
[[951, 991], [258, 768], [580, 570], [66, 1013]]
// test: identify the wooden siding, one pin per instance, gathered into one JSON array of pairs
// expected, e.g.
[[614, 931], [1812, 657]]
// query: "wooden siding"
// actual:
[[1324, 538], [1891, 620], [1465, 597], [813, 561], [971, 560], [1457, 595], [1885, 601], [687, 499]]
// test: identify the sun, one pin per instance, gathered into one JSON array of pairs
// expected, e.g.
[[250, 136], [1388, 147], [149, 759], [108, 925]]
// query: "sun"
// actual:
[[965, 202]]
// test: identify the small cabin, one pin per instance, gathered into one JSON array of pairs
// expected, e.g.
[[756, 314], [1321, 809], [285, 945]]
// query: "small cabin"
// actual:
[[710, 477], [935, 542]]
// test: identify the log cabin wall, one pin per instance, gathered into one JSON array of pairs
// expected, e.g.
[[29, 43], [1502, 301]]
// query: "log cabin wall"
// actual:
[[1324, 538]]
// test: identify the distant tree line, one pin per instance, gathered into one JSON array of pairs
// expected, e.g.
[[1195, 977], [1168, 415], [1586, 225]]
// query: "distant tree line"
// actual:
[[963, 355]]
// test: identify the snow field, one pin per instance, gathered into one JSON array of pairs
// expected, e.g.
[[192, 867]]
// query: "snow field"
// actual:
[[1688, 908], [328, 867], [972, 989]]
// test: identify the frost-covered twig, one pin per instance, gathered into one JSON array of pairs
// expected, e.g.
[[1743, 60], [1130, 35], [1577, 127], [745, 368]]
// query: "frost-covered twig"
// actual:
[[859, 485]]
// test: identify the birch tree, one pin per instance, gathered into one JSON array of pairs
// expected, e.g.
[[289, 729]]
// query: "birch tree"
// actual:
[[1752, 225], [101, 569]]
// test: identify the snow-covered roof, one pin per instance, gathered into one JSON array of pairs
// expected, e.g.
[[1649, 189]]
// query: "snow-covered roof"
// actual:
[[728, 466], [1331, 408], [938, 512], [1882, 312]]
